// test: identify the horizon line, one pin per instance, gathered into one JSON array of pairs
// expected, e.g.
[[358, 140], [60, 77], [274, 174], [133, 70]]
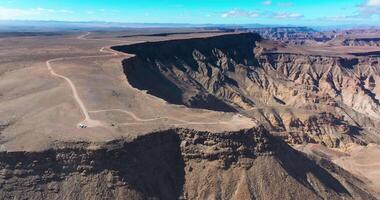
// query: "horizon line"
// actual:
[[191, 24]]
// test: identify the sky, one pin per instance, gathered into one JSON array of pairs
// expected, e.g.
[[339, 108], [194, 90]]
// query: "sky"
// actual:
[[276, 12]]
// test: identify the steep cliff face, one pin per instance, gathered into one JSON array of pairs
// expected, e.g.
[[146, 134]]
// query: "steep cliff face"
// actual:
[[193, 72], [303, 98], [329, 80], [176, 164], [343, 91], [151, 166]]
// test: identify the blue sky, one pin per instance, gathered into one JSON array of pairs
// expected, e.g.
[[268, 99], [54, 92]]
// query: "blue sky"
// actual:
[[297, 12]]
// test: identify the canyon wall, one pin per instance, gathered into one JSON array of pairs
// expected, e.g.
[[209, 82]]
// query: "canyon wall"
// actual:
[[362, 42], [176, 164], [302, 98]]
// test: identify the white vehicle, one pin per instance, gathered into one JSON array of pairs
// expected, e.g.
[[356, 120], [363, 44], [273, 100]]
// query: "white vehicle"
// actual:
[[82, 126]]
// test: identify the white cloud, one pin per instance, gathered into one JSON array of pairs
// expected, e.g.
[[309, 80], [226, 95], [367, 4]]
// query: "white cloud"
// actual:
[[240, 13], [287, 15], [372, 3], [364, 11], [369, 8], [12, 13], [267, 2], [17, 13]]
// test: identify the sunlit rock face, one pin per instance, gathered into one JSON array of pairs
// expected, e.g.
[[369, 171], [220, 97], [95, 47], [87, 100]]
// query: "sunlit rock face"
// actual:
[[330, 100]]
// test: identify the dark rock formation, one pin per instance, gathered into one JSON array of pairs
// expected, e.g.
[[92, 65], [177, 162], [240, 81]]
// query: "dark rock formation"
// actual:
[[175, 164]]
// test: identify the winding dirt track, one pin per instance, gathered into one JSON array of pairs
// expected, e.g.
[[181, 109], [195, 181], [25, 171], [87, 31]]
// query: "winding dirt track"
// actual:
[[87, 118], [73, 88], [136, 118]]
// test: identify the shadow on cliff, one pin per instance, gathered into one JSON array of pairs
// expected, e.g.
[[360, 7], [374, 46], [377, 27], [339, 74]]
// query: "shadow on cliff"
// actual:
[[144, 77], [306, 171], [151, 165], [190, 71]]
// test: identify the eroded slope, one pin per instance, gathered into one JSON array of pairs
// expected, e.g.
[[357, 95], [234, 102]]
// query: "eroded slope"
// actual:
[[176, 164], [303, 98]]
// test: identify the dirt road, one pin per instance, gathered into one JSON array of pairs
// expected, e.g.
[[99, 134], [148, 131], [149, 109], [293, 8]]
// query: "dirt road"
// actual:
[[88, 121]]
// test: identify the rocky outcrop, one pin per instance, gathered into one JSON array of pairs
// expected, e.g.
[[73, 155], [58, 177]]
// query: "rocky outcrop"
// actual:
[[345, 88], [329, 80], [145, 168], [175, 164], [305, 98]]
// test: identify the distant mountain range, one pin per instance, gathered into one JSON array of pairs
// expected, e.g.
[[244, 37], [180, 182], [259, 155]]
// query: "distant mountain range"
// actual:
[[43, 26]]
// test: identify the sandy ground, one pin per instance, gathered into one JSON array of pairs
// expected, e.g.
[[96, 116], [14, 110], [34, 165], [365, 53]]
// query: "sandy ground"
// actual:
[[51, 84]]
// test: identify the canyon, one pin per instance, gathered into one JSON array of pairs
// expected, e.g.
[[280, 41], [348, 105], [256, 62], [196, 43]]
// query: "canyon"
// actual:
[[305, 98], [223, 116]]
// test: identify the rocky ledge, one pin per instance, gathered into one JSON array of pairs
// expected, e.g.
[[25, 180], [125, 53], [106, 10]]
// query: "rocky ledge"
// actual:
[[174, 164]]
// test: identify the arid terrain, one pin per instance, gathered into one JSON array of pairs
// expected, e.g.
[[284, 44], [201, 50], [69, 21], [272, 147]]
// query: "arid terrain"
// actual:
[[190, 114]]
